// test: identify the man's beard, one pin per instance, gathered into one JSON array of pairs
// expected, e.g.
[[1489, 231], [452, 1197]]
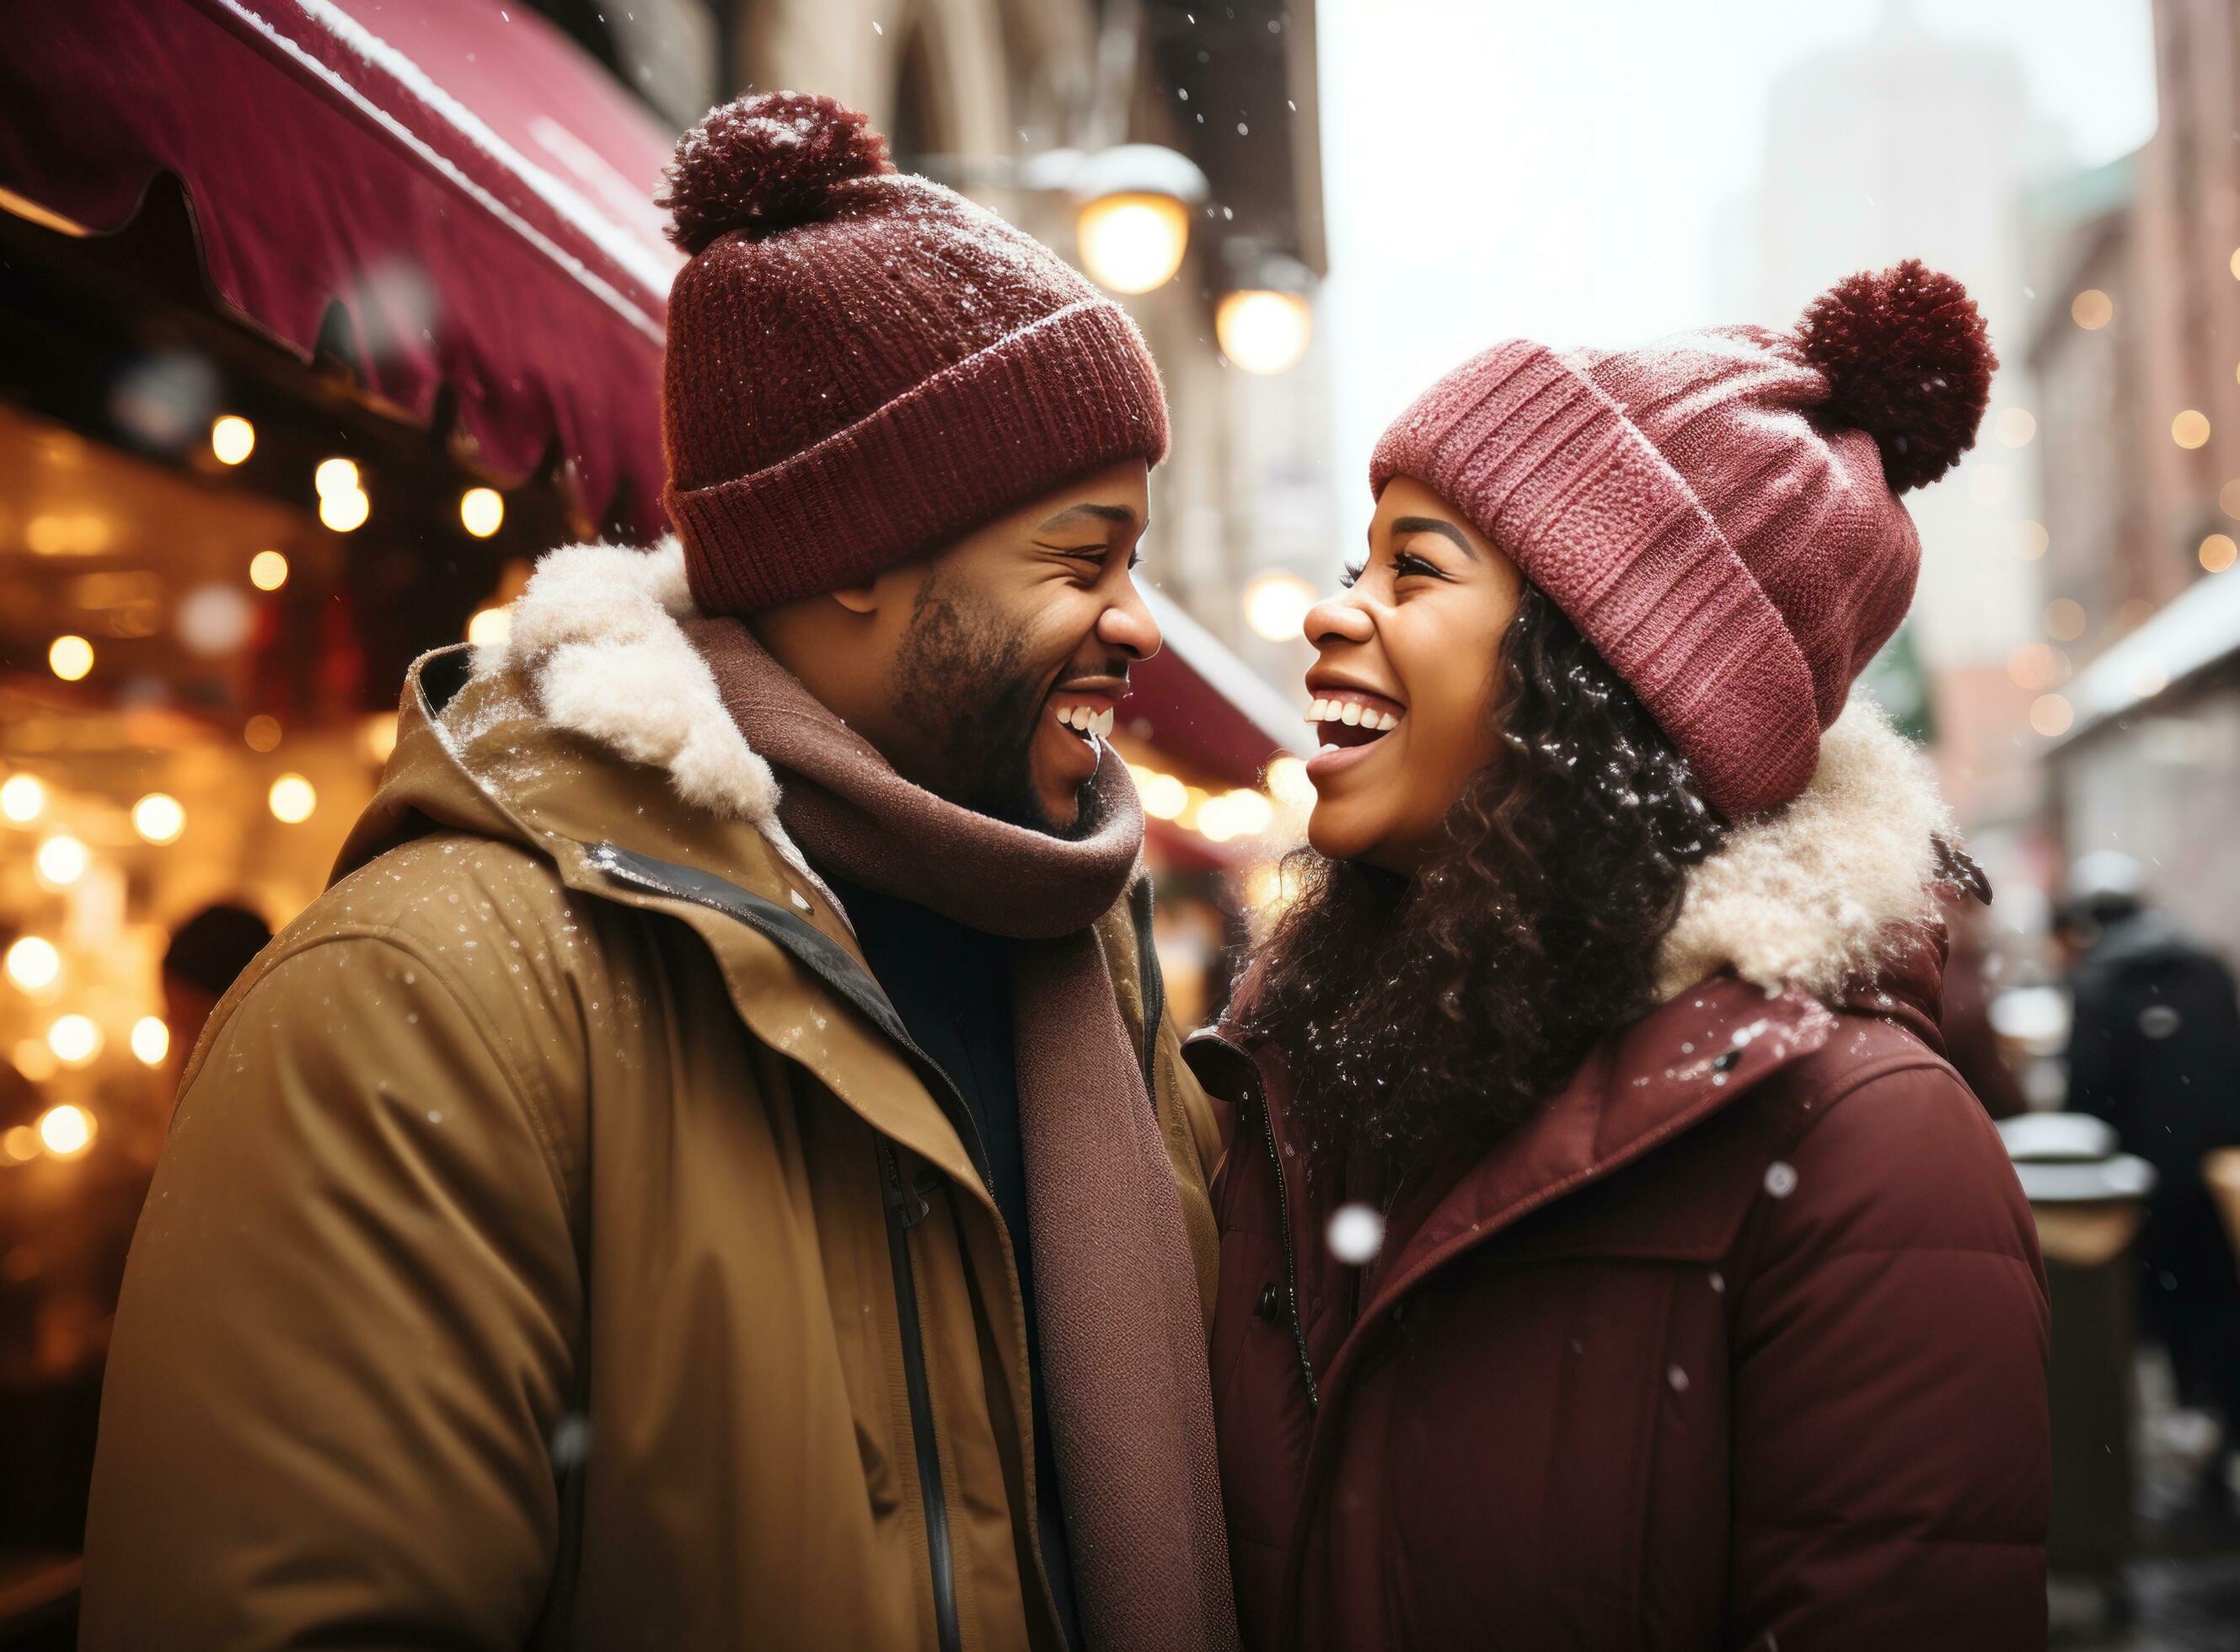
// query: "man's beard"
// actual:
[[969, 670]]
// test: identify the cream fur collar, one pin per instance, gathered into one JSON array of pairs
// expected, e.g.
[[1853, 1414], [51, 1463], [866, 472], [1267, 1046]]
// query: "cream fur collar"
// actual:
[[1801, 897]]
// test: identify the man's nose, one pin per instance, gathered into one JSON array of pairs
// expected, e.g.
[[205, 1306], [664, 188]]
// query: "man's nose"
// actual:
[[1127, 623]]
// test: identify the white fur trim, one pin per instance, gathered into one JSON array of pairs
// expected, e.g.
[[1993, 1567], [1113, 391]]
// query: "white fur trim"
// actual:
[[1802, 896], [596, 634]]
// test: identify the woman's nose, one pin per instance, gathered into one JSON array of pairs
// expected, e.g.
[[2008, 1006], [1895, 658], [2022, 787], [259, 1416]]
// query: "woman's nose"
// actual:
[[1338, 618]]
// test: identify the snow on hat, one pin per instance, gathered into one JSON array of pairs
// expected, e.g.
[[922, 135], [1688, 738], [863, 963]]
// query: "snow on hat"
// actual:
[[1718, 513], [863, 364]]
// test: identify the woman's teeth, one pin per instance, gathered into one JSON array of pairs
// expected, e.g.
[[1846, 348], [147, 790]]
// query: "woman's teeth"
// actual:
[[1087, 720], [1351, 714]]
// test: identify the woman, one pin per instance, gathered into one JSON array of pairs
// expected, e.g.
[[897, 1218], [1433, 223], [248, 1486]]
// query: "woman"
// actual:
[[1610, 1258]]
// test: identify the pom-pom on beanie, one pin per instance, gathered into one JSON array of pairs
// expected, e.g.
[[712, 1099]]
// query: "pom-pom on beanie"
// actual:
[[862, 365], [1718, 513]]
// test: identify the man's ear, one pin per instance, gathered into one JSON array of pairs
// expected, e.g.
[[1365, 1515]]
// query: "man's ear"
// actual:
[[895, 588], [858, 599]]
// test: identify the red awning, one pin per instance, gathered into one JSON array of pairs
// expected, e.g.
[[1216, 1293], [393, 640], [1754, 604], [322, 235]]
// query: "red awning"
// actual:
[[464, 188], [470, 197]]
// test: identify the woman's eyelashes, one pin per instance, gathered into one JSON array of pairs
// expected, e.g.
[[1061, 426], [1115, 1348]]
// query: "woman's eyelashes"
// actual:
[[1405, 564]]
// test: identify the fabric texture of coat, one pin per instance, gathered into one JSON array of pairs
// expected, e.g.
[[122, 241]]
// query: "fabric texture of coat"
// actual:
[[1738, 1341], [559, 1242]]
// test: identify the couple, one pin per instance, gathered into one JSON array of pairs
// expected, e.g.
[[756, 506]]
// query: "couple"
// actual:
[[713, 1171]]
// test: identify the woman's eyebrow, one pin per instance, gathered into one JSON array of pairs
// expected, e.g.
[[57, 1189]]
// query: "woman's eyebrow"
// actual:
[[1402, 526]]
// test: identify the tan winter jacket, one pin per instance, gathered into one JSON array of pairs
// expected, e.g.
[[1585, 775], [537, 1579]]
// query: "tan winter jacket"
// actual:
[[558, 1234]]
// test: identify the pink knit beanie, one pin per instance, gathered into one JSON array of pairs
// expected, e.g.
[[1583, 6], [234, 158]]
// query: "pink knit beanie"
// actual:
[[1718, 513], [862, 364]]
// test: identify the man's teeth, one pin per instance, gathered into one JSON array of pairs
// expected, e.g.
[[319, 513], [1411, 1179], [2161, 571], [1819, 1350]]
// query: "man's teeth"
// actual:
[[1087, 719], [1352, 714]]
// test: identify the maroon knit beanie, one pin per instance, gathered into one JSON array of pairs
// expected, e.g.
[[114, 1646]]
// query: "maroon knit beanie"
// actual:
[[1718, 514], [862, 364]]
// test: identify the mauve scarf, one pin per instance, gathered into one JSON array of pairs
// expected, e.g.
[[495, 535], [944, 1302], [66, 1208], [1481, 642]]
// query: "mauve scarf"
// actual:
[[1117, 1295]]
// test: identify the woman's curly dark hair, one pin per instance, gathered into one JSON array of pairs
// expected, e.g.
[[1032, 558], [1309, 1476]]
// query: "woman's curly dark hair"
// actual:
[[1422, 1017]]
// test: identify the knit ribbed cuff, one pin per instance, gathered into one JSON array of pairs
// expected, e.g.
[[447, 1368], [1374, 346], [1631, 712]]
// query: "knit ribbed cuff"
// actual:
[[1551, 471], [1073, 393]]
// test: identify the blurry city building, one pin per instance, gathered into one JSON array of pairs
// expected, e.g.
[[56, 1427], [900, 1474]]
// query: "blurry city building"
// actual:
[[2133, 344], [1910, 143]]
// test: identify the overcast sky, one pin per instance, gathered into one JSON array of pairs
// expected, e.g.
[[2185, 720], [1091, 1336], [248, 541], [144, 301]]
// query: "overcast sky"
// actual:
[[1494, 168]]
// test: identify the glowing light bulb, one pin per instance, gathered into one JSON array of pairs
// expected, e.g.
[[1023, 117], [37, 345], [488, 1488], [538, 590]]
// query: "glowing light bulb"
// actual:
[[489, 626], [151, 1041], [1288, 783], [232, 438], [268, 570], [1165, 797], [70, 657], [1262, 331], [345, 512], [1132, 243], [65, 1131], [62, 860], [2189, 429], [335, 476], [76, 1040], [159, 818], [481, 511], [22, 799], [292, 799], [33, 963], [1276, 605]]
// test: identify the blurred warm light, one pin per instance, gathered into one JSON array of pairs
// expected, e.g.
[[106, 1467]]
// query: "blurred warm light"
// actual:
[[2036, 667], [2219, 552], [481, 511], [70, 657], [335, 476], [1165, 797], [379, 735], [1234, 814], [345, 512], [260, 733], [75, 1039], [65, 1131], [1987, 483], [2051, 715], [2030, 540], [1262, 331], [2017, 426], [151, 1041], [2092, 310], [33, 963], [1132, 243], [19, 1144], [2148, 679], [2228, 498], [2235, 263], [1288, 783], [487, 627], [159, 817], [22, 799], [1276, 605], [292, 799], [62, 860], [232, 438], [268, 570], [2189, 429], [82, 535], [2065, 619]]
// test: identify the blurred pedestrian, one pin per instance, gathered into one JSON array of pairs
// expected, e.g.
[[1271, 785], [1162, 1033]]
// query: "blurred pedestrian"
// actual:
[[1971, 1043], [581, 1227], [1608, 1256], [206, 956], [2154, 1049]]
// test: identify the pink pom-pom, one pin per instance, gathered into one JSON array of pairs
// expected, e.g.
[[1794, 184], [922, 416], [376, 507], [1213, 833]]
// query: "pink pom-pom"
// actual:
[[764, 163], [1908, 361]]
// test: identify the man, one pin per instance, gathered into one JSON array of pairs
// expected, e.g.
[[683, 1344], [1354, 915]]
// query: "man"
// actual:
[[206, 956], [2154, 1049], [581, 1227]]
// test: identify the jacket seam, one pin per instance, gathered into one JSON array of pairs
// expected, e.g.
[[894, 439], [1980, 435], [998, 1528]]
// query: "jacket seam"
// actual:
[[540, 1128]]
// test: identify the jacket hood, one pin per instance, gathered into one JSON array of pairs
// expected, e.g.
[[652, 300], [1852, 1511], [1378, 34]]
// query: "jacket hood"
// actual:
[[593, 722], [1821, 895]]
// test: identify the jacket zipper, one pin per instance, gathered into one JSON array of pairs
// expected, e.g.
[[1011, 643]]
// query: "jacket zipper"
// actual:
[[905, 1209], [1290, 1261]]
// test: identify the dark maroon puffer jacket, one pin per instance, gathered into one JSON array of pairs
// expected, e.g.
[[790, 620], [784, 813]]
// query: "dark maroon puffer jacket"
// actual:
[[1739, 1343]]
